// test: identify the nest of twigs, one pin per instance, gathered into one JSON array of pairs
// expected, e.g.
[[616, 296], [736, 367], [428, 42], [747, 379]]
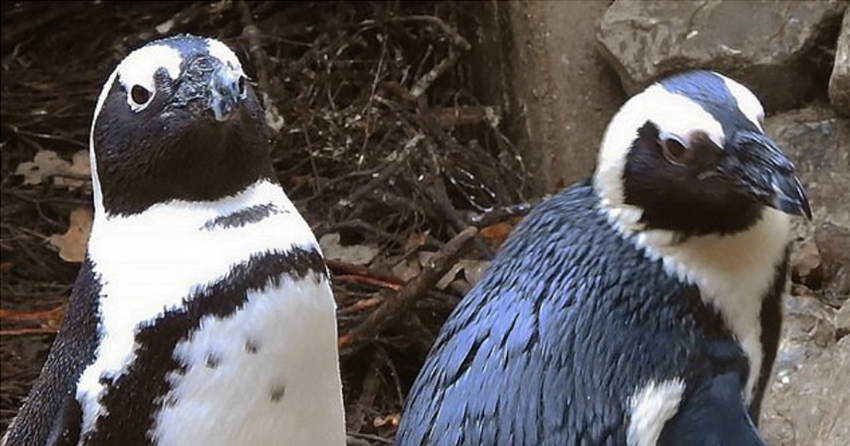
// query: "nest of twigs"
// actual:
[[379, 141]]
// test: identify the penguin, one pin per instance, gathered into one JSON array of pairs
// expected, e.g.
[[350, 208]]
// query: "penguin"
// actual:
[[640, 307], [203, 313]]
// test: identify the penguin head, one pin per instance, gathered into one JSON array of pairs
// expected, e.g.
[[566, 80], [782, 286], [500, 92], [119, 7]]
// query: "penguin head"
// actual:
[[176, 120], [689, 155]]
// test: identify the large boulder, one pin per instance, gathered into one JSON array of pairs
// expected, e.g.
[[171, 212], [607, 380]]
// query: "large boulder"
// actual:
[[839, 82], [769, 45]]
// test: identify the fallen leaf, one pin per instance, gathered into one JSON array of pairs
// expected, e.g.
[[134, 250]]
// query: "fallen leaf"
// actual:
[[472, 271], [48, 163], [391, 420], [354, 254], [72, 244], [496, 234]]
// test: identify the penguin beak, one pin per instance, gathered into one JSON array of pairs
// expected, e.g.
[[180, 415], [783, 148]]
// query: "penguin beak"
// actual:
[[225, 91], [209, 87], [765, 173]]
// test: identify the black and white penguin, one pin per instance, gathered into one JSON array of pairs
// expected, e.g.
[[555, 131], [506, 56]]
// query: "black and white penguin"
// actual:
[[638, 308], [203, 313]]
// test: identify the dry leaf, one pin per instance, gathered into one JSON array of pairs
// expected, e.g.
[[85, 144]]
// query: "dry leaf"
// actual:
[[72, 244], [496, 234], [353, 254], [391, 420], [48, 163], [472, 271]]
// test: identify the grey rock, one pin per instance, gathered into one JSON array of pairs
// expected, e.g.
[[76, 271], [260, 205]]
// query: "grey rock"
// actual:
[[833, 243], [810, 405], [839, 82], [764, 44]]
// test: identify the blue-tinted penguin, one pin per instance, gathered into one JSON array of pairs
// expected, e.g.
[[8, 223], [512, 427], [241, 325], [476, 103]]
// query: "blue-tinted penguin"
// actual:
[[203, 313], [638, 308]]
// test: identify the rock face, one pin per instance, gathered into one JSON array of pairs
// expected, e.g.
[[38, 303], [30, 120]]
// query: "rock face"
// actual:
[[808, 403], [540, 63], [839, 82], [764, 44]]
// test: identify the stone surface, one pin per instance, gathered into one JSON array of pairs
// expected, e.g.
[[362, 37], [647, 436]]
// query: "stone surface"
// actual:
[[809, 405], [764, 44], [839, 82], [539, 62]]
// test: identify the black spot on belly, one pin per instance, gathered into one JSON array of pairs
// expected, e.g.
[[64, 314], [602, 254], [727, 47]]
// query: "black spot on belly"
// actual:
[[251, 347], [277, 393], [132, 401], [212, 361]]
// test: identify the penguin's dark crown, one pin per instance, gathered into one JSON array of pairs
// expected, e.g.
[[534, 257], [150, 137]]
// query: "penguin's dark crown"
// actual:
[[689, 155], [176, 120]]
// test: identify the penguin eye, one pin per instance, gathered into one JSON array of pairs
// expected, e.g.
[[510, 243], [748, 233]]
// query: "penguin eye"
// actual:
[[139, 95], [675, 150], [242, 86]]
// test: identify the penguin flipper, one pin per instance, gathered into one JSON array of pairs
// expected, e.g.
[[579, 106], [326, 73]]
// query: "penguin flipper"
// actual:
[[67, 424], [51, 415], [713, 415]]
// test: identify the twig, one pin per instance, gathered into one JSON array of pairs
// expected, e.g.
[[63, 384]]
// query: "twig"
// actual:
[[371, 281], [388, 172], [342, 268], [368, 392], [416, 288], [255, 48], [499, 214]]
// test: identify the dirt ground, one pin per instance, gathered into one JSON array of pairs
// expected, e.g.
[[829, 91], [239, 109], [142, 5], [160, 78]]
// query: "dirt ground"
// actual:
[[379, 143]]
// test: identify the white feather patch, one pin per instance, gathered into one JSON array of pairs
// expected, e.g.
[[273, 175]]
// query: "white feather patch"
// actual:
[[651, 407], [275, 379], [139, 67], [733, 273], [748, 103], [149, 262], [223, 53]]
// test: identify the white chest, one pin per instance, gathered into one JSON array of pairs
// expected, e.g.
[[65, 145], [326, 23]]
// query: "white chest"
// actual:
[[262, 376], [282, 337]]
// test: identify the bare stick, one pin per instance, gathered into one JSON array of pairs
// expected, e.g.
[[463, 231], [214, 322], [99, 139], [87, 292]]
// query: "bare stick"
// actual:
[[390, 310]]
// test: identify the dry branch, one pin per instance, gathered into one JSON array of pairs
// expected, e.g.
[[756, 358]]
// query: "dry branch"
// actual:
[[391, 309]]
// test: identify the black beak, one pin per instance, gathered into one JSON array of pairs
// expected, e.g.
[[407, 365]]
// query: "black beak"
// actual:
[[766, 174], [210, 87], [225, 92]]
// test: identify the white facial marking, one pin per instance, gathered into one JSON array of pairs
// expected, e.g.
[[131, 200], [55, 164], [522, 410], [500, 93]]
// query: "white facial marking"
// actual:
[[139, 67], [149, 262], [651, 407], [748, 103], [671, 113], [223, 53]]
